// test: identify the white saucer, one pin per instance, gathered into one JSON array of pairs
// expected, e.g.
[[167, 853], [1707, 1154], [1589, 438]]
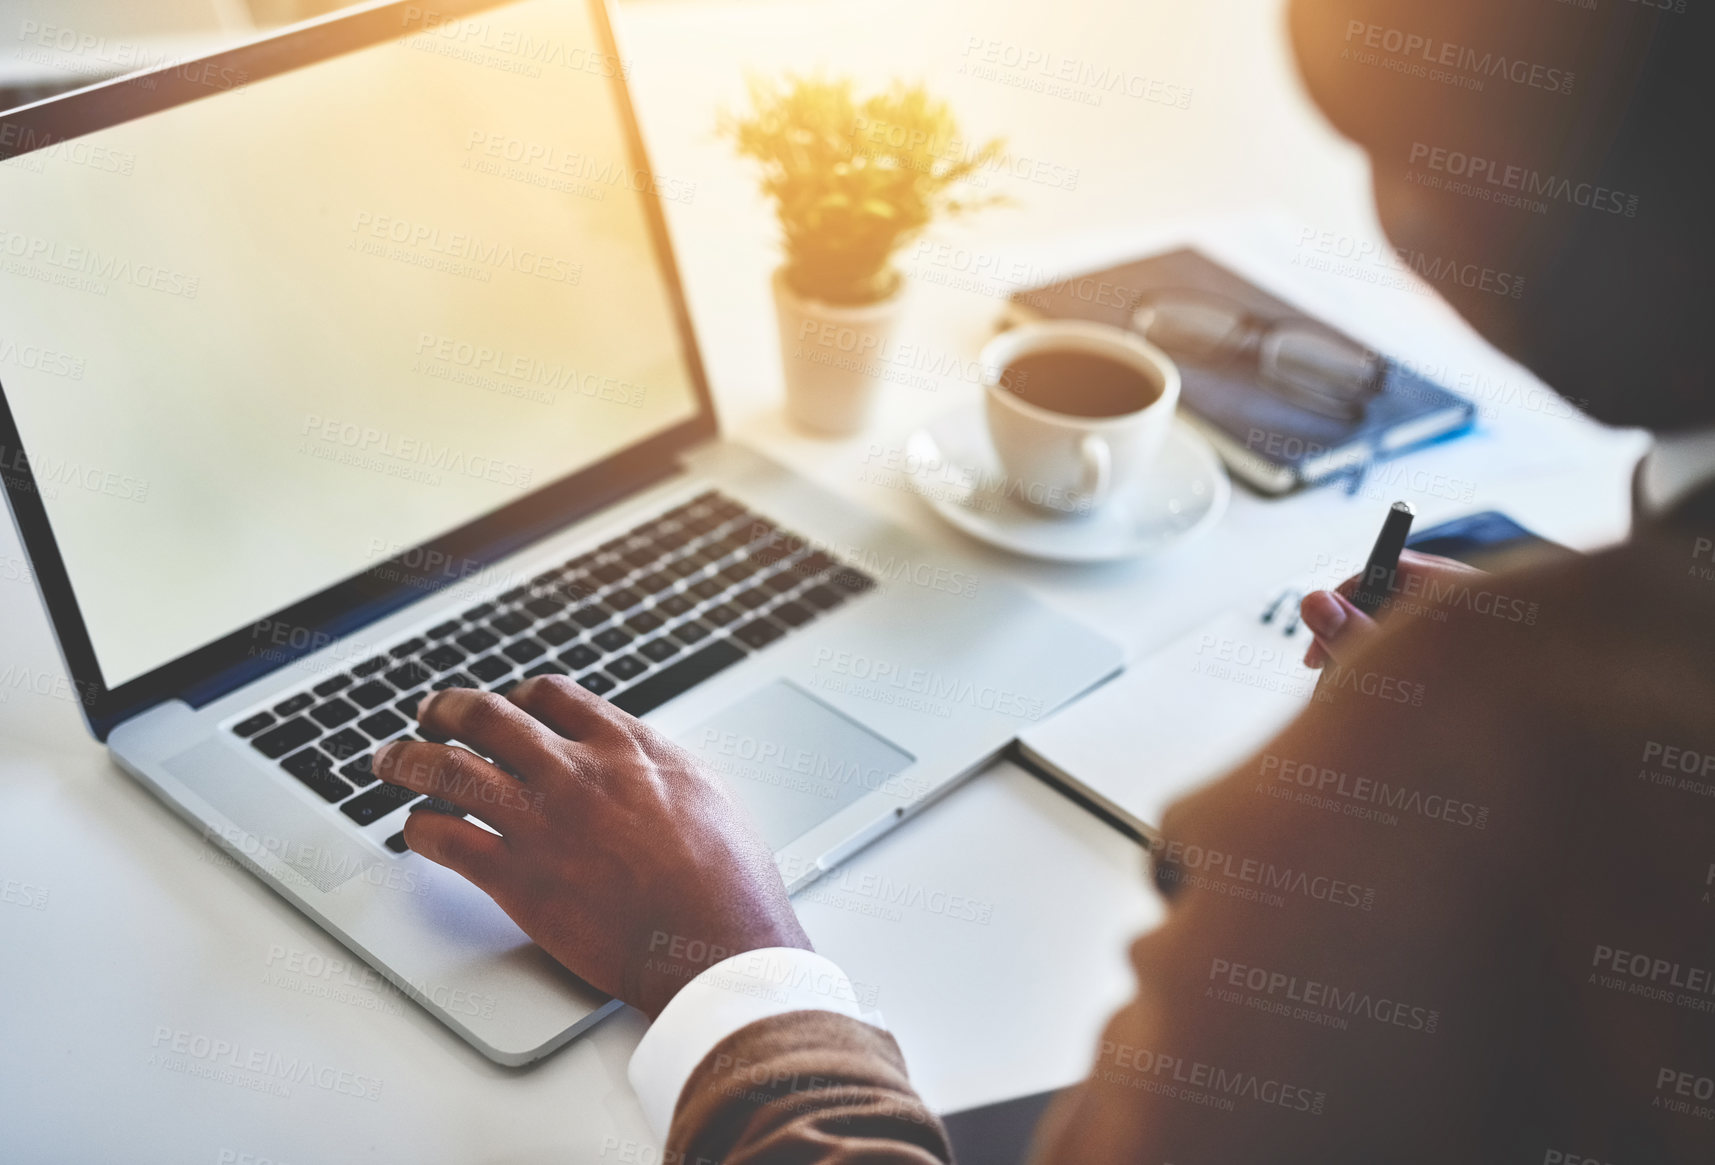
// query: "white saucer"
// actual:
[[953, 466]]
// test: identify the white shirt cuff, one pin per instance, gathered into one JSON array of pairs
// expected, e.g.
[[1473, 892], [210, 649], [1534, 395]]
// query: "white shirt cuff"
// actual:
[[732, 994]]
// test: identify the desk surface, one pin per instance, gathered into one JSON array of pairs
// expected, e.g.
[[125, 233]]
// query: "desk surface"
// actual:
[[121, 928]]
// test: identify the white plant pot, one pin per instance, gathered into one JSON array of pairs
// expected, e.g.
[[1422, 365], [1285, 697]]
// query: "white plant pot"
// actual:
[[833, 358]]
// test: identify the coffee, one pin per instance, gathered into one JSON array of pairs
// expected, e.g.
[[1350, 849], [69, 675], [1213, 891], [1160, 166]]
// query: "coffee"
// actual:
[[1079, 384]]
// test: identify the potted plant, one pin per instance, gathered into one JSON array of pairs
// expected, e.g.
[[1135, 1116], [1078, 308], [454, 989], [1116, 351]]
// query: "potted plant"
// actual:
[[852, 180]]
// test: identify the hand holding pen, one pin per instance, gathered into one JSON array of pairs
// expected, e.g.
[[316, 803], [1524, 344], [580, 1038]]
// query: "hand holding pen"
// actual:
[[1345, 619]]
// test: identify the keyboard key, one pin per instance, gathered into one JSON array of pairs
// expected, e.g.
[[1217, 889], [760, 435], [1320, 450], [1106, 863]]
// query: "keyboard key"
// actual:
[[409, 675], [612, 639], [823, 597], [254, 724], [753, 598], [396, 843], [361, 771], [314, 769], [333, 713], [851, 580], [348, 742], [480, 611], [644, 622], [679, 678], [658, 650], [370, 666], [758, 633], [408, 648], [793, 614], [610, 572], [456, 680], [505, 686], [443, 630], [545, 607], [490, 668], [815, 564], [639, 557], [524, 650], [371, 695], [654, 584], [330, 686], [593, 615], [409, 704], [550, 668], [598, 683], [510, 623], [480, 639], [720, 614], [709, 588], [444, 658], [579, 657], [377, 803], [694, 631], [621, 600], [690, 566], [556, 634], [626, 667], [381, 725], [739, 571], [513, 595], [277, 742], [781, 581], [675, 605]]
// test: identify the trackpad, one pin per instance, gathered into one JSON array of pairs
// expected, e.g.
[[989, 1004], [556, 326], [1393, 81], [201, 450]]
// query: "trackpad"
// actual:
[[793, 761]]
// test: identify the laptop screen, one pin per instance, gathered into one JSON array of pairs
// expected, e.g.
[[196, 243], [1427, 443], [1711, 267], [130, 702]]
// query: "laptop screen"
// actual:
[[257, 343]]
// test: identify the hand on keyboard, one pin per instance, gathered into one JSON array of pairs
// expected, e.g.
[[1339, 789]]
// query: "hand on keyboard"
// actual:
[[1423, 582], [616, 852]]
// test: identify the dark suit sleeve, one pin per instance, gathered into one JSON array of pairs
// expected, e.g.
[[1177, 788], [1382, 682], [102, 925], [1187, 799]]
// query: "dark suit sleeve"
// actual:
[[807, 1086]]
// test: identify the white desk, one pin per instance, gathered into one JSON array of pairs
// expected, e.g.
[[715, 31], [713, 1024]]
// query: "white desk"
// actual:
[[142, 928]]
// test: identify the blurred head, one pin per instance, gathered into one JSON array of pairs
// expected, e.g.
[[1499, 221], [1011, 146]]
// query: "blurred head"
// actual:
[[1566, 147]]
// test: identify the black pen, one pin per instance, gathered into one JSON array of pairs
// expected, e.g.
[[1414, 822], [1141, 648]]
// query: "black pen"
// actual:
[[1377, 581]]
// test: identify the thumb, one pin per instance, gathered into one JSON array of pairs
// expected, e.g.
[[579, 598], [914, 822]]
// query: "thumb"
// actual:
[[1341, 629]]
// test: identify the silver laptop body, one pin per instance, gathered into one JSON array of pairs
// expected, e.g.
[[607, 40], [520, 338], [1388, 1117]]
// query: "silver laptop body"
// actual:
[[838, 672]]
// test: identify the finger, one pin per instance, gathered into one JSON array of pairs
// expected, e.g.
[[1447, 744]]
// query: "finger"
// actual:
[[466, 849], [460, 776], [1341, 629], [494, 727], [1413, 565], [570, 709]]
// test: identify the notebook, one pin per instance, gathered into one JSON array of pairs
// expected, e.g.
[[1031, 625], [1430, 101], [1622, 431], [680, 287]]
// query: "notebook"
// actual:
[[1202, 705], [1266, 440]]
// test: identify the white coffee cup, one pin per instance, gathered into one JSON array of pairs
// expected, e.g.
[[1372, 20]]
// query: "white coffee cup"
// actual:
[[1063, 463]]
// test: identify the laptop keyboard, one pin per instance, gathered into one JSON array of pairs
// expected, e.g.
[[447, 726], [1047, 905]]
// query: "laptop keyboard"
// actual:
[[638, 620]]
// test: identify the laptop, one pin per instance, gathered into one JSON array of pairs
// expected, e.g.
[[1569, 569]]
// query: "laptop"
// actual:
[[352, 364]]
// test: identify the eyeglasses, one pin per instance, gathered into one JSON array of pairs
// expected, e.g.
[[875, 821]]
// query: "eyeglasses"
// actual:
[[1295, 359]]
